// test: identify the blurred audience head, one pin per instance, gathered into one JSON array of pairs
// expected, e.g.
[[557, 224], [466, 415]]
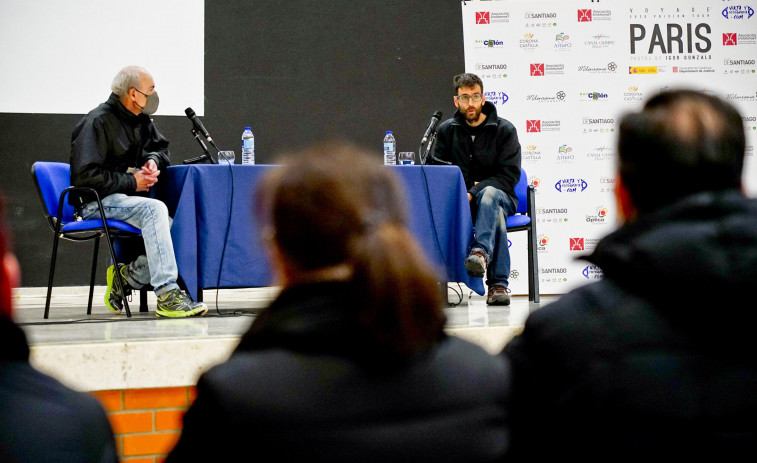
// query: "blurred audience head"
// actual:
[[682, 142], [333, 212]]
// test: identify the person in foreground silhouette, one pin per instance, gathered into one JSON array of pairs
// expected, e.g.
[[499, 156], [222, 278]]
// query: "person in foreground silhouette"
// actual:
[[655, 362], [350, 362], [41, 420]]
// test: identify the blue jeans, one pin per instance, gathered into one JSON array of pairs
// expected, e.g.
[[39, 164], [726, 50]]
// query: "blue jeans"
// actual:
[[492, 208], [158, 266]]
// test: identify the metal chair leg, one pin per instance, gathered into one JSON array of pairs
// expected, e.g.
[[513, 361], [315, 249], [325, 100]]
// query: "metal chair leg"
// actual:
[[92, 276], [52, 272]]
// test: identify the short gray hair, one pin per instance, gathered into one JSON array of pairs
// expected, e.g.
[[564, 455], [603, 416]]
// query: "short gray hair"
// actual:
[[128, 77]]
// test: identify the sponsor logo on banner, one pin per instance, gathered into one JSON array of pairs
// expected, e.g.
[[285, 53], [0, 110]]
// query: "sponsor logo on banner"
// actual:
[[556, 98], [592, 272], [738, 12], [598, 124], [598, 217], [608, 68], [541, 243], [534, 182], [749, 151], [528, 42], [600, 41], [583, 244], [743, 97], [540, 19], [593, 96], [565, 154], [606, 184], [562, 42], [530, 154], [551, 215], [734, 39], [693, 69], [492, 17], [645, 70], [600, 153], [632, 94], [489, 43], [738, 66], [497, 98], [589, 15], [545, 69], [540, 125], [553, 274], [514, 274], [482, 17], [571, 185]]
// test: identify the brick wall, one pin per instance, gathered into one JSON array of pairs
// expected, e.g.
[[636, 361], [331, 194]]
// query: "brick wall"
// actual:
[[146, 422]]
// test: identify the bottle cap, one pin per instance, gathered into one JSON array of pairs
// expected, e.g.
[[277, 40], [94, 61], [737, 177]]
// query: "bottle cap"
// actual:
[[388, 132], [248, 128]]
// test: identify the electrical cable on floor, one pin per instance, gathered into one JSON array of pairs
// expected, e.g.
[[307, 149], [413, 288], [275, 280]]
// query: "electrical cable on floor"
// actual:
[[225, 239], [459, 294]]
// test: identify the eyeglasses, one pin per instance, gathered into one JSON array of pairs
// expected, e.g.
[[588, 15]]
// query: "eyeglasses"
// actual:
[[465, 99]]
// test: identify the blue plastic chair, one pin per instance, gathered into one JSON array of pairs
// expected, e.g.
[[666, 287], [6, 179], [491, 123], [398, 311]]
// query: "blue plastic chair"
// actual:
[[525, 220], [53, 181]]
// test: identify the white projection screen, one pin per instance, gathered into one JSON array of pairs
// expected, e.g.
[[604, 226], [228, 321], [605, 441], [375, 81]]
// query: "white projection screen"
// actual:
[[59, 57]]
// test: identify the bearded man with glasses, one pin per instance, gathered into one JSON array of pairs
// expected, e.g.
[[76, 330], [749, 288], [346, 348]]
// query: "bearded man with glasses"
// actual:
[[486, 149]]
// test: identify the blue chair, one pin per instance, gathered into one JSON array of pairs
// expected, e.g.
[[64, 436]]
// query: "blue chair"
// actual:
[[53, 181], [525, 220]]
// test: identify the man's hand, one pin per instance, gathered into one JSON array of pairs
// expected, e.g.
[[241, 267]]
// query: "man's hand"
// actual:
[[147, 176], [150, 168]]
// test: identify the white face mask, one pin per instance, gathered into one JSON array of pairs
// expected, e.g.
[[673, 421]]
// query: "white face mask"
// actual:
[[152, 103]]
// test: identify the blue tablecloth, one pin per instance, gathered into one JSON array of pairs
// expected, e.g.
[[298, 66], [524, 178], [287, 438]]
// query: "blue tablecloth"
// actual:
[[197, 197]]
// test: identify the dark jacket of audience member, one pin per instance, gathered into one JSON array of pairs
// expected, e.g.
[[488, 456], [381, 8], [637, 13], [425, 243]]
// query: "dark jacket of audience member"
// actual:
[[349, 363], [41, 420], [654, 362]]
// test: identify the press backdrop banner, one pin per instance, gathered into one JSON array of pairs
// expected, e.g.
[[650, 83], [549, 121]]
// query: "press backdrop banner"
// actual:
[[564, 72]]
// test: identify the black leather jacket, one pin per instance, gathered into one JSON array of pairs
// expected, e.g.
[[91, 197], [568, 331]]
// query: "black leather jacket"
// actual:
[[106, 143]]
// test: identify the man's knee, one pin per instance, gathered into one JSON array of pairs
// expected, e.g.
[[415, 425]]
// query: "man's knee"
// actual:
[[488, 196]]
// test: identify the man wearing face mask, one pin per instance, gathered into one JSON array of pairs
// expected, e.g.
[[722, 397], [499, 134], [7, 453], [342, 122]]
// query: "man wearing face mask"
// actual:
[[116, 150]]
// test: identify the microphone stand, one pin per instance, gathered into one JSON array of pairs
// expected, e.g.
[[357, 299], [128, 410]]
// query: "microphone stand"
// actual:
[[204, 157], [424, 157]]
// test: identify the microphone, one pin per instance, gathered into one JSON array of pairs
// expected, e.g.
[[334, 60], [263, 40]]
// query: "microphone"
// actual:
[[197, 123], [431, 126]]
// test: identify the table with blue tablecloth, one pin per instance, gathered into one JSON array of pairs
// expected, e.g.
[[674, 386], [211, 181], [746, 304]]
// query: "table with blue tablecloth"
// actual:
[[198, 198]]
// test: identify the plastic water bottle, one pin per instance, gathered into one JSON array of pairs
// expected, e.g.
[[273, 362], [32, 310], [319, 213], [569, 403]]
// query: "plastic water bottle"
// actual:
[[248, 146], [390, 149]]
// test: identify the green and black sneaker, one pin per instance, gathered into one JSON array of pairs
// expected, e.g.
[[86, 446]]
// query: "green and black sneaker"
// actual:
[[113, 300], [177, 304]]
